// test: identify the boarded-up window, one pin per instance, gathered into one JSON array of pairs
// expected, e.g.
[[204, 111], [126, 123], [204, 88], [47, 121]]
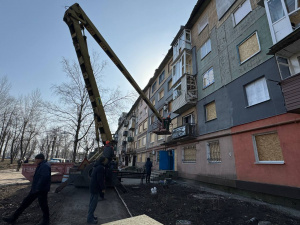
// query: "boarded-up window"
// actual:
[[143, 157], [153, 102], [267, 147], [141, 128], [189, 154], [161, 94], [211, 111], [170, 106], [138, 158], [160, 137], [145, 125], [143, 141], [213, 151], [170, 85], [152, 137], [249, 47]]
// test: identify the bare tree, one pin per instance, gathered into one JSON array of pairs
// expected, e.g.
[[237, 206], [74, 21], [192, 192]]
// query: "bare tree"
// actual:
[[75, 110], [30, 108]]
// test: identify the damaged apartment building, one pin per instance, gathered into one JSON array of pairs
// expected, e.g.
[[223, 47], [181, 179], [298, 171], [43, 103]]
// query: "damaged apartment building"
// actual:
[[231, 84]]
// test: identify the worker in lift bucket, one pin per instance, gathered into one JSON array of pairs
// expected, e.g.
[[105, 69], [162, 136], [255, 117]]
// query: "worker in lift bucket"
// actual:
[[167, 122], [39, 190]]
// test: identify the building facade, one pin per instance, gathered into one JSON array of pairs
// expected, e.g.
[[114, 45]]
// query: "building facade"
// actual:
[[231, 83]]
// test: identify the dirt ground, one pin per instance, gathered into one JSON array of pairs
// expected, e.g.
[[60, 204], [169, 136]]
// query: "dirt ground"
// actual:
[[173, 204]]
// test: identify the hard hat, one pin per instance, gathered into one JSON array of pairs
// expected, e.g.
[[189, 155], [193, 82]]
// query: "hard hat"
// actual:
[[107, 142]]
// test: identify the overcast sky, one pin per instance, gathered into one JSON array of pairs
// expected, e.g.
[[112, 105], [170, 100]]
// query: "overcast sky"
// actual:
[[34, 39]]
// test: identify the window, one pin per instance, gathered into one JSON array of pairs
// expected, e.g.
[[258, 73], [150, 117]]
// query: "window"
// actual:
[[177, 91], [267, 148], [170, 106], [203, 23], [145, 125], [152, 137], [146, 110], [161, 94], [161, 112], [213, 151], [139, 143], [276, 10], [143, 141], [151, 119], [135, 145], [188, 119], [160, 137], [292, 5], [161, 77], [249, 48], [257, 92], [205, 48], [283, 65], [153, 87], [143, 157], [170, 85], [153, 102], [242, 11], [157, 156], [208, 78], [189, 154], [141, 128], [210, 110], [187, 36]]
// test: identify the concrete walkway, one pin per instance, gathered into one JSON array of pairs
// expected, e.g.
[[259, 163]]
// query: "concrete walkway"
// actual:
[[11, 177], [76, 204]]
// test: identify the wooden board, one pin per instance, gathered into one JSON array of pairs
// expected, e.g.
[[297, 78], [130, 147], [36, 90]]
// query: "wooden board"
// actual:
[[137, 220]]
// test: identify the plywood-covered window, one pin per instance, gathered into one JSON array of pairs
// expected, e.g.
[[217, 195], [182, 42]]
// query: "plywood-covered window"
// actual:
[[189, 154], [145, 125], [152, 137], [153, 102], [170, 106], [170, 85], [249, 47], [267, 148], [143, 157], [210, 110], [213, 151], [143, 141], [141, 128], [161, 94]]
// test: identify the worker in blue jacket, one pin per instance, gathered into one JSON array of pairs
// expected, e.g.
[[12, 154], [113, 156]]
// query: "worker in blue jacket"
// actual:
[[39, 190], [97, 187]]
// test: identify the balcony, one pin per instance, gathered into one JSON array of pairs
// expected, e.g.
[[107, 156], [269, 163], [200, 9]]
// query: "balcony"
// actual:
[[125, 133], [126, 123], [187, 131], [130, 139], [291, 93], [131, 124], [185, 94]]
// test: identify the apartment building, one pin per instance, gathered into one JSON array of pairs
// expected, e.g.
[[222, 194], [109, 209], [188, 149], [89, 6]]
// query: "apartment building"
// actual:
[[231, 82]]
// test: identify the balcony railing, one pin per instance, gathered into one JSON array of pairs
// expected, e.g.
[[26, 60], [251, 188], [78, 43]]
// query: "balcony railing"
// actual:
[[186, 131]]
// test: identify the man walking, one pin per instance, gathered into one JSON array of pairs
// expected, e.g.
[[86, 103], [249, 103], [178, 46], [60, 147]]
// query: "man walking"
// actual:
[[97, 186], [39, 190], [148, 166]]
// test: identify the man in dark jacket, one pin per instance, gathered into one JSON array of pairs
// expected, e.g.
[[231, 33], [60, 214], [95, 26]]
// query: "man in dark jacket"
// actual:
[[148, 166], [39, 190], [97, 186], [108, 151]]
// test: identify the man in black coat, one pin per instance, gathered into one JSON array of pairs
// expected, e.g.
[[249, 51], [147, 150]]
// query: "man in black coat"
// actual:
[[148, 167], [39, 190], [97, 186]]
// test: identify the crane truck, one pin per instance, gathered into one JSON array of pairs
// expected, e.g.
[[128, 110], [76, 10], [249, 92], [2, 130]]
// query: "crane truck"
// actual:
[[77, 21]]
